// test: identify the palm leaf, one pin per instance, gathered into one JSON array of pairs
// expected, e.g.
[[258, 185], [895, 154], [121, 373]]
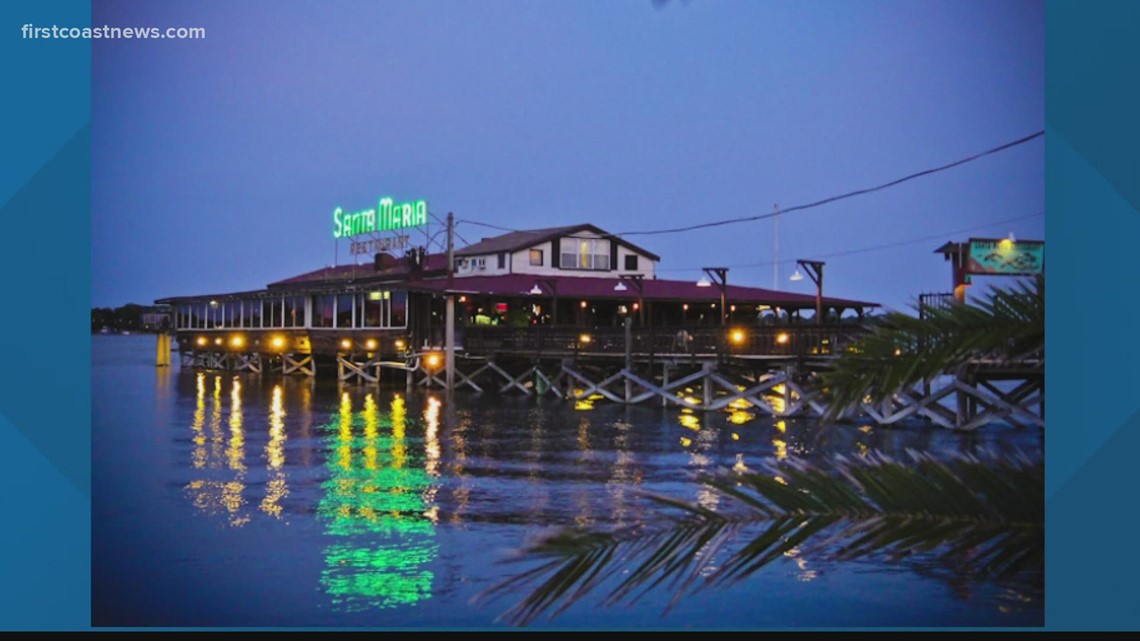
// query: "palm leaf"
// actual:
[[901, 350], [984, 516]]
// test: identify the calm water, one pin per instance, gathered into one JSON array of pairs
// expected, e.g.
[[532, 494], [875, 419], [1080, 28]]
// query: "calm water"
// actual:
[[244, 500]]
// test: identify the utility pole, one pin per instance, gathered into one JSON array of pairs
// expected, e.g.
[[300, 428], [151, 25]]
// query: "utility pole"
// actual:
[[449, 332]]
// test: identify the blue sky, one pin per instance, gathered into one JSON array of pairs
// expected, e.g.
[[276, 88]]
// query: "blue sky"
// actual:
[[218, 162]]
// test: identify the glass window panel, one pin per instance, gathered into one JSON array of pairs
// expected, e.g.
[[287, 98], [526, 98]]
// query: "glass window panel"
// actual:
[[344, 310], [399, 309], [323, 310], [252, 314], [232, 314], [294, 311]]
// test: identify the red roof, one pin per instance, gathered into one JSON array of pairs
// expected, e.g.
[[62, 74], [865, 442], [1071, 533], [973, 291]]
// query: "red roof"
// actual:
[[513, 285], [363, 271]]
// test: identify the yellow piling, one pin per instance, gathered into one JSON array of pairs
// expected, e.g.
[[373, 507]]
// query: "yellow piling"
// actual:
[[162, 358]]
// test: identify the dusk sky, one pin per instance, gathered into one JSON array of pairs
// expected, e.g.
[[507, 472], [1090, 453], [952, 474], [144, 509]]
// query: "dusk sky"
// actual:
[[218, 162]]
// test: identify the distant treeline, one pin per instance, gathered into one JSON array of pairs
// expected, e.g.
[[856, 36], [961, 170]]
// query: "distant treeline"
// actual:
[[129, 318]]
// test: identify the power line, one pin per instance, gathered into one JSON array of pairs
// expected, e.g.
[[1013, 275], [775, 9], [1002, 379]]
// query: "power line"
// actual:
[[863, 250], [850, 194], [454, 231], [795, 208]]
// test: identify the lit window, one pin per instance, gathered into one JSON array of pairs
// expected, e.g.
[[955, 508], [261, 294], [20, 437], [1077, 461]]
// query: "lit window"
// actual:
[[536, 257]]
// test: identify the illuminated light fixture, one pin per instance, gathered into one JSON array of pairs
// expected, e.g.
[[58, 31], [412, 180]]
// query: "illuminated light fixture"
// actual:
[[371, 343], [218, 340], [584, 339], [796, 275], [237, 341], [704, 282], [584, 303], [374, 295], [278, 342], [213, 303], [620, 287], [782, 338], [432, 360], [345, 344], [738, 336], [463, 299], [536, 290], [685, 307], [636, 306], [400, 344], [732, 308], [898, 352], [202, 340]]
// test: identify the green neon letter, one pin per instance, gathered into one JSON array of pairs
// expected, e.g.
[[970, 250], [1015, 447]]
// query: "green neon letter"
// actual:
[[337, 225]]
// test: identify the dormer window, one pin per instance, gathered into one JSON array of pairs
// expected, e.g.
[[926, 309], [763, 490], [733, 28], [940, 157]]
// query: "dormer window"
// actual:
[[590, 254]]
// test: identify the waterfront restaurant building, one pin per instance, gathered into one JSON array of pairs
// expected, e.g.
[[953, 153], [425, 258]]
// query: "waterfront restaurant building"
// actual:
[[564, 288]]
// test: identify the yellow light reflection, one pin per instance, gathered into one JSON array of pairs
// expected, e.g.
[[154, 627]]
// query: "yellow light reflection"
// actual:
[[344, 435], [217, 439], [691, 421], [198, 436], [584, 404], [275, 450], [371, 423], [781, 448], [740, 418], [276, 488], [739, 466], [235, 453], [782, 426], [431, 438], [686, 442], [777, 400]]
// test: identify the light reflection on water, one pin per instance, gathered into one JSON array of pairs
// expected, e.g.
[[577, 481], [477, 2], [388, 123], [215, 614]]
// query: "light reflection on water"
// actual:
[[376, 505]]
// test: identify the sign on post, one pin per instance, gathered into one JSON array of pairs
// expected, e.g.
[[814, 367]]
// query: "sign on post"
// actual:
[[1005, 257]]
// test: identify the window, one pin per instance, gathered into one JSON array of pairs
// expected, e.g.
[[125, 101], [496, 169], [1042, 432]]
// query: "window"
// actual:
[[370, 309], [536, 257], [585, 254], [631, 262], [399, 309], [502, 261], [323, 310], [344, 310], [233, 314], [271, 312], [251, 314], [294, 311]]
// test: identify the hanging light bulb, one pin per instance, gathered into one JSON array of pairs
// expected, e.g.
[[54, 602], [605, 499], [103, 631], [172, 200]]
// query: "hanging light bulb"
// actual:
[[620, 287], [536, 290], [796, 275], [704, 282]]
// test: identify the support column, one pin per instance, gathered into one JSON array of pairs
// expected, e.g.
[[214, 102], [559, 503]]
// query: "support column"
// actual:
[[449, 343], [628, 357]]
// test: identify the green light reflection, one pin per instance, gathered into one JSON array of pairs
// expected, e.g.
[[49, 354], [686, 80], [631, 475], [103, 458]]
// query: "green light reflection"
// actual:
[[376, 502]]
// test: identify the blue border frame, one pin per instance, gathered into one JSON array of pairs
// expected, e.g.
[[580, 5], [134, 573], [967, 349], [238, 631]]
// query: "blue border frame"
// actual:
[[1093, 196], [45, 465]]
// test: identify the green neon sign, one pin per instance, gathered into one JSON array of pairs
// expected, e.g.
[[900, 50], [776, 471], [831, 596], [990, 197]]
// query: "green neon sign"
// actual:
[[387, 216]]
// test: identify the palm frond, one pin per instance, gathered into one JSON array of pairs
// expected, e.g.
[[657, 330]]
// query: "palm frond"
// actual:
[[986, 517], [901, 350]]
